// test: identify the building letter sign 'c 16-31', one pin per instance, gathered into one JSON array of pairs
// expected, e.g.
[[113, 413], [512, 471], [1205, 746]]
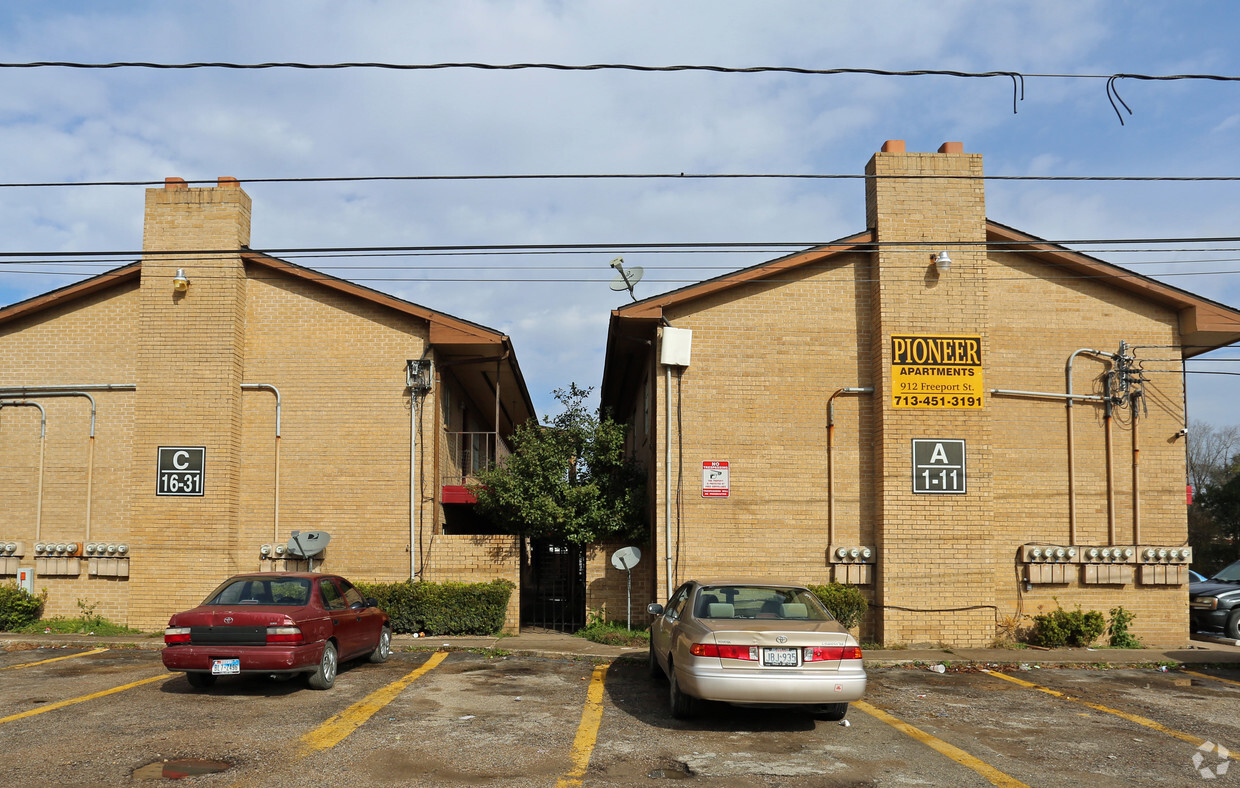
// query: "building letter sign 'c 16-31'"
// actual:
[[936, 372], [181, 470]]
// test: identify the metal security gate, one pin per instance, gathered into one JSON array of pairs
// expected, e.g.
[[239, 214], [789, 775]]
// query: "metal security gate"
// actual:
[[554, 587]]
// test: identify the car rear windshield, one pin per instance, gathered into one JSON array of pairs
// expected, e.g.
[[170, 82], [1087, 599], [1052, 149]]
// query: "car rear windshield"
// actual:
[[773, 602], [291, 591], [1228, 574]]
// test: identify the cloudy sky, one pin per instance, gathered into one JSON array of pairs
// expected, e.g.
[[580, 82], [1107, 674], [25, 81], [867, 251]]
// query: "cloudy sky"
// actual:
[[71, 126]]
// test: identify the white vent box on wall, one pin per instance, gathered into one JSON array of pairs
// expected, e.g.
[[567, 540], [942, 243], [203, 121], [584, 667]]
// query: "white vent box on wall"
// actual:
[[677, 343]]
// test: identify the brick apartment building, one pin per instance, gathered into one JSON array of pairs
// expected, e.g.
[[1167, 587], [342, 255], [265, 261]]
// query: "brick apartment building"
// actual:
[[178, 414], [970, 442]]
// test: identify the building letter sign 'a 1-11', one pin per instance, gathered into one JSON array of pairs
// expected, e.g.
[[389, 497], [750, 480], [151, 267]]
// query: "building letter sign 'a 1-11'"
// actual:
[[938, 467]]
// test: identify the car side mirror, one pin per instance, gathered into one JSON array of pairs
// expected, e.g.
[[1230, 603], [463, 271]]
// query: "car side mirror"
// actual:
[[654, 609], [371, 602]]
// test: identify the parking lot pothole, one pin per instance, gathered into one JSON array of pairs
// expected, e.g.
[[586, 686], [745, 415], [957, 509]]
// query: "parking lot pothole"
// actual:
[[677, 771], [179, 768]]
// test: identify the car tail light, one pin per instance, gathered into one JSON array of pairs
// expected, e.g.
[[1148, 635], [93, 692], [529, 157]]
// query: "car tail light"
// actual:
[[176, 635], [725, 652], [830, 653], [284, 635]]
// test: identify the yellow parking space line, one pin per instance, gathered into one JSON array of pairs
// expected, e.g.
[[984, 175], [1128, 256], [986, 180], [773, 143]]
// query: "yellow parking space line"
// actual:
[[958, 755], [339, 726], [587, 731], [1138, 719], [54, 659], [62, 703], [1211, 678]]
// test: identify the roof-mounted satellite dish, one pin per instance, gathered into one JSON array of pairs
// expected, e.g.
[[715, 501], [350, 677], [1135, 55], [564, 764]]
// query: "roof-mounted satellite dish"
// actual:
[[308, 544], [626, 279]]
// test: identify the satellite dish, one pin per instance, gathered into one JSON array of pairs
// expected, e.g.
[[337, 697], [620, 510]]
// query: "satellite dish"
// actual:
[[626, 557], [307, 544], [626, 279]]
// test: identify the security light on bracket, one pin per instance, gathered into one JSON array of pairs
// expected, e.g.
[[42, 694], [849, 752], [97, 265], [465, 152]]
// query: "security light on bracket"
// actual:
[[180, 282], [942, 262]]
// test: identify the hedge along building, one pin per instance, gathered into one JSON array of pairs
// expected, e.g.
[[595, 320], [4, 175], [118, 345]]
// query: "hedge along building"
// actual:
[[209, 400], [970, 443]]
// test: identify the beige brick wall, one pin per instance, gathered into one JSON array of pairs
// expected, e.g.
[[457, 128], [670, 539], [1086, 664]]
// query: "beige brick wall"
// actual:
[[479, 559], [767, 356], [607, 588], [92, 343]]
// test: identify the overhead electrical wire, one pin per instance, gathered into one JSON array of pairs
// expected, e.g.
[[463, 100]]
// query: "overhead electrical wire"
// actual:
[[644, 176], [1017, 78]]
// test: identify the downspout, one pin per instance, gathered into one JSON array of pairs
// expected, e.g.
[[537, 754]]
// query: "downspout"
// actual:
[[667, 474], [38, 518], [276, 391], [831, 454]]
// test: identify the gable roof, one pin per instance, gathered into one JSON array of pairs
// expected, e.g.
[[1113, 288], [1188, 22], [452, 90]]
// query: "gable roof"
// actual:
[[1205, 325], [469, 347]]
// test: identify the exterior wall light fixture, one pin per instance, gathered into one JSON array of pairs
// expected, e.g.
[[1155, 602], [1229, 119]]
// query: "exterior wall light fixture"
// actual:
[[180, 282], [942, 262]]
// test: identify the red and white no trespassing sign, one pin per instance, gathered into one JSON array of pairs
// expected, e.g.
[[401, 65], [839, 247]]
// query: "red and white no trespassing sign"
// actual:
[[715, 481]]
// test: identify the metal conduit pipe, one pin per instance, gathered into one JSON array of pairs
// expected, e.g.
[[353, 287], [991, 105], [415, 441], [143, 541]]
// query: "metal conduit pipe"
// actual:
[[38, 517], [1069, 399], [276, 391], [90, 445], [831, 454], [1072, 437]]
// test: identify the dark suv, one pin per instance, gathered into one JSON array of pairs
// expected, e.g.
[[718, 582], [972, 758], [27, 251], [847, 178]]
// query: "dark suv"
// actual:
[[1214, 604]]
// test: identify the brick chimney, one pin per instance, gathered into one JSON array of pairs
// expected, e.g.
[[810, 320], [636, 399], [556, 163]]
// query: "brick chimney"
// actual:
[[189, 374]]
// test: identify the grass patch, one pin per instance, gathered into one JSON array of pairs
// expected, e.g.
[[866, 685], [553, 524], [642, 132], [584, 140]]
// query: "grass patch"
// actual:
[[610, 633], [93, 625]]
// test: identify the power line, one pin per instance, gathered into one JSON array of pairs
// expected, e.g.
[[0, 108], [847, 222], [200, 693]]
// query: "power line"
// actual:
[[677, 247], [1017, 78], [685, 176]]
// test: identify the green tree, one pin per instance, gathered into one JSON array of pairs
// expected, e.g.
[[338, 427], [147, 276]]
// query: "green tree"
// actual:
[[1214, 517], [568, 479]]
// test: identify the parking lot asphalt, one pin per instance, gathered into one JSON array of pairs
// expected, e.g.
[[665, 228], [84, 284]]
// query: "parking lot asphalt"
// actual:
[[1200, 650]]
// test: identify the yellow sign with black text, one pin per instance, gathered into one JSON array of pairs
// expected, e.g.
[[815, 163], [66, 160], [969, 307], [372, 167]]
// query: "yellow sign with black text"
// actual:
[[936, 372]]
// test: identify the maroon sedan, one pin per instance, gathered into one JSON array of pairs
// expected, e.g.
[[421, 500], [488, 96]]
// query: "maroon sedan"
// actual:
[[280, 623]]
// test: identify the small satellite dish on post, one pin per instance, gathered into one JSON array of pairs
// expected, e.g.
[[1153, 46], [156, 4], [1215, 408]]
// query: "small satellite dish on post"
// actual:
[[626, 279], [308, 544], [626, 558]]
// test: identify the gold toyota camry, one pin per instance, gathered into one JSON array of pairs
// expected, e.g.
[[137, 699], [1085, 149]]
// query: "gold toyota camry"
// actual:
[[756, 644]]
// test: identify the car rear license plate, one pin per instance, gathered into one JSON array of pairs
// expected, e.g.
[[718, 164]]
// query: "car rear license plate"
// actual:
[[225, 667], [782, 657]]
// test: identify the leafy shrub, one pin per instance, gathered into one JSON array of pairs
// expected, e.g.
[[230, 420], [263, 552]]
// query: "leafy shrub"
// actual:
[[18, 607], [1061, 627], [846, 603], [1118, 629], [443, 608]]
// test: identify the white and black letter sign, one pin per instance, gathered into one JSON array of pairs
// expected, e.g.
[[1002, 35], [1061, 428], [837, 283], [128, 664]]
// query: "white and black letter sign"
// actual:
[[181, 470], [938, 466]]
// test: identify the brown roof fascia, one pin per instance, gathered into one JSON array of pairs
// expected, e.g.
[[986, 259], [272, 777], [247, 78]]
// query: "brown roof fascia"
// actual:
[[653, 307], [444, 329], [1204, 324], [68, 293]]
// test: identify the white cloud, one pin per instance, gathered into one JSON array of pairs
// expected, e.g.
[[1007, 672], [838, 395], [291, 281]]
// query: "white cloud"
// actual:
[[61, 125]]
